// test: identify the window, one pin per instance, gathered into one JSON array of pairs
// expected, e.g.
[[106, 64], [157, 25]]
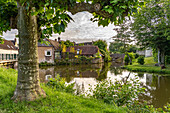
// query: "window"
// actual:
[[47, 53], [2, 56], [47, 77], [78, 51], [57, 55], [15, 56]]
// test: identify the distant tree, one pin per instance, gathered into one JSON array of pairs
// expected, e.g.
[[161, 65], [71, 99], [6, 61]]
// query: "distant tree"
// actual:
[[151, 26], [116, 47], [102, 44], [132, 48], [68, 43], [123, 35], [81, 44]]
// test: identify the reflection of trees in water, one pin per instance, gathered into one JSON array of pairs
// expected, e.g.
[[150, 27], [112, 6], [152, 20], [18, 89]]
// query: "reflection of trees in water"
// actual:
[[103, 73], [157, 90], [140, 75], [82, 71], [116, 69]]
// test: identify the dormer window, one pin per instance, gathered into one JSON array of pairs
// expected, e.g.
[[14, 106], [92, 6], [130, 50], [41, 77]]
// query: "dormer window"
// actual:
[[47, 53]]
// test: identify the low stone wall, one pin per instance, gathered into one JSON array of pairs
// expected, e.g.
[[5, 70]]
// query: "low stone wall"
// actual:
[[97, 61], [78, 61]]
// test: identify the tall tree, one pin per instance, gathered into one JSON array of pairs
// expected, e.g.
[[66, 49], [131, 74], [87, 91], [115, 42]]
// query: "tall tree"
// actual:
[[151, 27], [123, 35], [37, 19], [102, 44]]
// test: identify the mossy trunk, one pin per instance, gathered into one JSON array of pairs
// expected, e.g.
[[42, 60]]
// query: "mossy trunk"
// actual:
[[162, 57], [28, 84]]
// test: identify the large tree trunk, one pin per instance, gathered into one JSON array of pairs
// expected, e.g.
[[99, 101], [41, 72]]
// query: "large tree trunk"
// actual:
[[28, 84]]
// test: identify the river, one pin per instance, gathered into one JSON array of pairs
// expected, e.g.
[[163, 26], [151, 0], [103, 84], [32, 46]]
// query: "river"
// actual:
[[157, 86]]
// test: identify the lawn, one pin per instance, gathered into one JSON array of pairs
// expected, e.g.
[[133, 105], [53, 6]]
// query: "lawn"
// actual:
[[149, 66], [55, 102]]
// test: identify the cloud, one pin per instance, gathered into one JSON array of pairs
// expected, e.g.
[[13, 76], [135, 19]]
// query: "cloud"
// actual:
[[10, 35], [81, 30]]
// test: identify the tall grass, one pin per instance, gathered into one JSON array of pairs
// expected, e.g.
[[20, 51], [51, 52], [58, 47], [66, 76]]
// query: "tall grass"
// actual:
[[55, 102]]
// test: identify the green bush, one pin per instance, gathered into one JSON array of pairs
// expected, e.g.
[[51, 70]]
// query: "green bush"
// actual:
[[60, 84], [136, 55], [120, 93], [131, 55], [106, 54], [167, 59], [126, 59], [141, 60]]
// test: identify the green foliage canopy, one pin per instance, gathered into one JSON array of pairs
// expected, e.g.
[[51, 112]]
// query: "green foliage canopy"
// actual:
[[53, 17], [102, 44], [151, 25]]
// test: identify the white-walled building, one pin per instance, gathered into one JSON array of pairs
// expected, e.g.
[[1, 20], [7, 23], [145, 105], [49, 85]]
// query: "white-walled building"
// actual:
[[8, 50]]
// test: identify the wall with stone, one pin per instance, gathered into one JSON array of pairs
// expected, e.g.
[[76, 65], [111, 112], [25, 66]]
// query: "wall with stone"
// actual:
[[43, 57]]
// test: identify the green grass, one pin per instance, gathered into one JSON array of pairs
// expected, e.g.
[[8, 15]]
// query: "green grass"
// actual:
[[148, 67], [55, 102]]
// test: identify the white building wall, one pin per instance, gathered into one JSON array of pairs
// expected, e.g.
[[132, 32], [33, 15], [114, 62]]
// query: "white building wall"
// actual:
[[3, 51], [148, 53]]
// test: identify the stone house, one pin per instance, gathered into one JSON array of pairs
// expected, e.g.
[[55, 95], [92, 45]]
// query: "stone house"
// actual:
[[49, 51], [8, 50]]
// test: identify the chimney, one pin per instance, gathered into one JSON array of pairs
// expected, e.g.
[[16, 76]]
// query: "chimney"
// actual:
[[58, 39], [15, 41]]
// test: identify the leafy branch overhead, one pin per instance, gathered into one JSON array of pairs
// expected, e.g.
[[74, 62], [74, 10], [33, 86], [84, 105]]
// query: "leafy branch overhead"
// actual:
[[53, 14]]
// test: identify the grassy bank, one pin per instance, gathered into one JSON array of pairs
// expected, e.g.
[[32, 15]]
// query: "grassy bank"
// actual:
[[149, 67], [55, 102]]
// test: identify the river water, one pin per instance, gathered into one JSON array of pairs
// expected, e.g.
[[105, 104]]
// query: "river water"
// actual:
[[157, 86]]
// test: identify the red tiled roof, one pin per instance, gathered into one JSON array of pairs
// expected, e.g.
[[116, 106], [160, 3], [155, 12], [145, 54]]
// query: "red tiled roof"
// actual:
[[8, 45], [86, 50]]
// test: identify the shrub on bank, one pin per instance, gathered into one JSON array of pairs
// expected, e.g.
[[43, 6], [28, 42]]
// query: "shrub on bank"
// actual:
[[126, 59], [141, 60], [59, 84], [136, 55]]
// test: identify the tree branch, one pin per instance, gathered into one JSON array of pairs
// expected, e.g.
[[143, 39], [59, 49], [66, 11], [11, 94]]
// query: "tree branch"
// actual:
[[91, 8]]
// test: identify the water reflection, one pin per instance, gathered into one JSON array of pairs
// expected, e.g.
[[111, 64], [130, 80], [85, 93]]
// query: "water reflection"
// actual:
[[157, 87]]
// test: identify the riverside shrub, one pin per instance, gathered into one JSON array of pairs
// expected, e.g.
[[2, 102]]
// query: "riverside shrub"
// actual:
[[126, 59], [59, 84], [141, 60], [121, 93]]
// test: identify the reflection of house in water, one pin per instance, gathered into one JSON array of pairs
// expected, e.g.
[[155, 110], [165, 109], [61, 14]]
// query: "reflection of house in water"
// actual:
[[149, 79], [45, 74]]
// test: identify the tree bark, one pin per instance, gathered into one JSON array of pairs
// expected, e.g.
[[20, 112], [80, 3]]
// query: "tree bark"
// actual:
[[28, 84], [162, 57], [159, 57]]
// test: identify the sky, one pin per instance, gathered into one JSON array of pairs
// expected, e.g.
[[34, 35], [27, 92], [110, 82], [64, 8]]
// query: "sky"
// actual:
[[81, 30]]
